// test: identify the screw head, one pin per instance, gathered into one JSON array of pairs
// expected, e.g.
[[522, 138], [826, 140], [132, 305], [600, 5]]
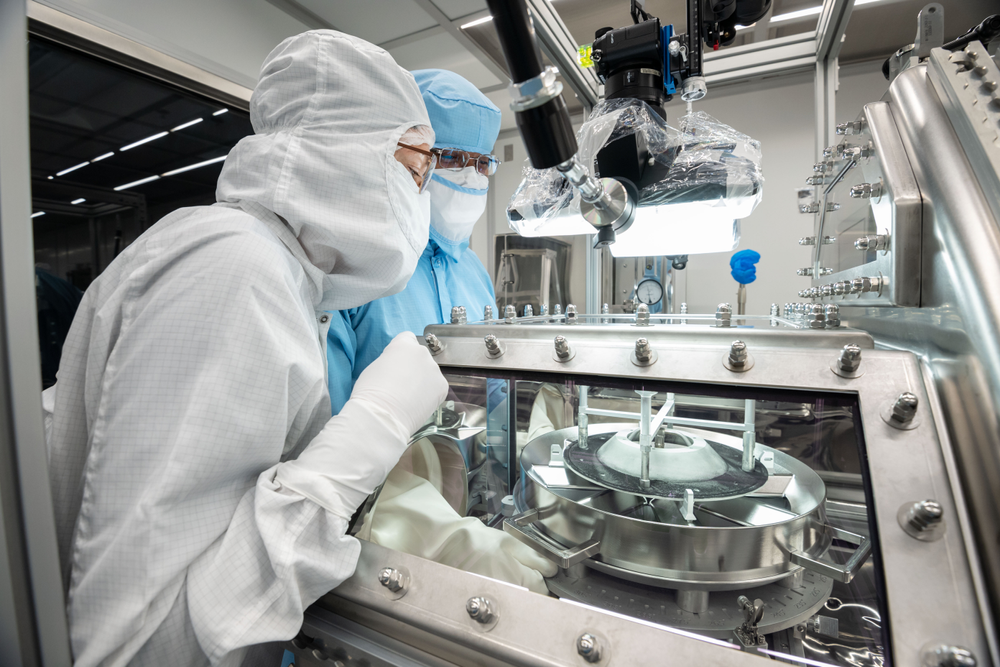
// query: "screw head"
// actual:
[[391, 578], [562, 347], [487, 313], [588, 646], [529, 311], [481, 610], [509, 313], [493, 348], [433, 343], [643, 350], [570, 313], [850, 358], [557, 310], [905, 408], [642, 315]]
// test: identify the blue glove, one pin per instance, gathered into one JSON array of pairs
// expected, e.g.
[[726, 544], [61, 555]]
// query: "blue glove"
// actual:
[[742, 265]]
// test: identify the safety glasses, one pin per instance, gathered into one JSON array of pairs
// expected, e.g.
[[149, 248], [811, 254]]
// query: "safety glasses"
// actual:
[[419, 162], [453, 159]]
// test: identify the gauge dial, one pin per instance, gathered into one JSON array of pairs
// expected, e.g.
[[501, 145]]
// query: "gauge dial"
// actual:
[[649, 291]]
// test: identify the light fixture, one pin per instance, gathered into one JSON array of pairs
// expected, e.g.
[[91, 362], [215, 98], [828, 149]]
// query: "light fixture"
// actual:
[[187, 124], [78, 201], [103, 157], [220, 112], [51, 177], [74, 168], [135, 183], [679, 229], [812, 11], [476, 22], [144, 141], [194, 166], [39, 213]]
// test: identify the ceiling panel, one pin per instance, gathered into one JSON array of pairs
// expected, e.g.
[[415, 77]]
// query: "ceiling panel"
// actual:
[[456, 9], [377, 21], [443, 51]]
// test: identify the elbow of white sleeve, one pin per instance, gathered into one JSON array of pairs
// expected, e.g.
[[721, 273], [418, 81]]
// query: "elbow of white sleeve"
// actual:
[[349, 458]]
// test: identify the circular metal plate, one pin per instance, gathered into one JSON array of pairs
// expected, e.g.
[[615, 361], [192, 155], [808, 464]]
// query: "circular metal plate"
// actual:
[[783, 607], [733, 483]]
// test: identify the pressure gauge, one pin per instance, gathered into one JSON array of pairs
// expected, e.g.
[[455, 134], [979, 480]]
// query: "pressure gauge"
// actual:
[[649, 291]]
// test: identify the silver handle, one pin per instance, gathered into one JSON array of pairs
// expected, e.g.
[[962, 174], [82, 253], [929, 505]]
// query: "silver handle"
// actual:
[[521, 529], [842, 573]]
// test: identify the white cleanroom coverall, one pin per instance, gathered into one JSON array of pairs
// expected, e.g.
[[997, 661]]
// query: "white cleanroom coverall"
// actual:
[[202, 490]]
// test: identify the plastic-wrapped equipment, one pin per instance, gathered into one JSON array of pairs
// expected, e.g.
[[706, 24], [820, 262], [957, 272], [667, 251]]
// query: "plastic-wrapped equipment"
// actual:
[[694, 183]]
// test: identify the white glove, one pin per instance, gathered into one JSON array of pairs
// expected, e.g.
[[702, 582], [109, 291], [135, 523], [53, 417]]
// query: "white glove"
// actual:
[[358, 447], [411, 516]]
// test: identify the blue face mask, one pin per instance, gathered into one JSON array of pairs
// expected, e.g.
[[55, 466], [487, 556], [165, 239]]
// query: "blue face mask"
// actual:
[[458, 200]]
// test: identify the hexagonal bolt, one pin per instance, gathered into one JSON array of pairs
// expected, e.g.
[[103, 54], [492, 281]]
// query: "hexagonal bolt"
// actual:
[[817, 316], [775, 310], [392, 579], [557, 310], [850, 358], [738, 353], [809, 208], [492, 345], [487, 313], [684, 308], [643, 350], [866, 191], [815, 180], [589, 647], [723, 314], [905, 408], [832, 313], [433, 344], [642, 315], [481, 610], [570, 314], [509, 313], [605, 310], [831, 206], [826, 290], [944, 655], [807, 240], [529, 311], [807, 271], [458, 315], [822, 167], [562, 347], [857, 286], [825, 270], [924, 515], [544, 310], [872, 242]]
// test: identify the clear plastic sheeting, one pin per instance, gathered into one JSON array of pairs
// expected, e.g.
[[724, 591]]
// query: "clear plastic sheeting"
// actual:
[[694, 182]]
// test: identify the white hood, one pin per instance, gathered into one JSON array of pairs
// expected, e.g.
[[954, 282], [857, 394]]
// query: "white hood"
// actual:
[[327, 113]]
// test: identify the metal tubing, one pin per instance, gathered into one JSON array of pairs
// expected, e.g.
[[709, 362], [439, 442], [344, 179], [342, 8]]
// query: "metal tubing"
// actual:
[[741, 300], [645, 438], [517, 38], [582, 420]]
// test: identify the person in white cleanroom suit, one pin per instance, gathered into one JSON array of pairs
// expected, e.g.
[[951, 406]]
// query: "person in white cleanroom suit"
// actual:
[[202, 489]]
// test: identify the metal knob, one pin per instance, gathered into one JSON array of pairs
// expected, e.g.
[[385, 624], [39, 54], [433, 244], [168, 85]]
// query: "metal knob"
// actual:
[[509, 313], [493, 347], [563, 351], [529, 311], [571, 314], [832, 316], [817, 316], [643, 351], [642, 315], [487, 313], [458, 315], [723, 315], [905, 408], [481, 610], [588, 646], [850, 358], [738, 353], [392, 579], [433, 344]]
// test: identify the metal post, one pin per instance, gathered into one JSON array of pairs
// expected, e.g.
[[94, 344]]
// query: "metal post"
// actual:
[[594, 266], [582, 419], [32, 608], [645, 437], [749, 435]]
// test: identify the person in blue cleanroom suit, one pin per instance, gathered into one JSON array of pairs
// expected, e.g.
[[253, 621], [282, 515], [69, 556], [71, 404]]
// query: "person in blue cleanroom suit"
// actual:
[[448, 273], [411, 514]]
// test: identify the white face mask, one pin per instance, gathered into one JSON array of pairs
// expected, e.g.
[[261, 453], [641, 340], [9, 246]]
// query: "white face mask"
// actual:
[[458, 199]]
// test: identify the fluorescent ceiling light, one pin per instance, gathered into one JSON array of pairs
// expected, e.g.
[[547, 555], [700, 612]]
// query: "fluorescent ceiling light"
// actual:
[[135, 183], [66, 171], [220, 112], [35, 215], [103, 157], [187, 124], [78, 201], [812, 11], [194, 166], [476, 22], [144, 141]]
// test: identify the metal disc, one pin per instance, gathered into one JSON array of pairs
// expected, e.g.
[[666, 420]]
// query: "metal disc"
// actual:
[[733, 483], [783, 607]]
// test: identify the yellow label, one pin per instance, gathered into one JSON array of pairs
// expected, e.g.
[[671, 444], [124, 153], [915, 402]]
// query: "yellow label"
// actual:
[[584, 55]]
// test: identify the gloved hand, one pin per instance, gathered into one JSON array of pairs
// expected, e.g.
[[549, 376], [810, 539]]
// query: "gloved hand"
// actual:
[[358, 447], [411, 516]]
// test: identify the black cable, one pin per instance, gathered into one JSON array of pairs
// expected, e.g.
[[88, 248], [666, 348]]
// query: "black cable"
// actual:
[[985, 32]]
